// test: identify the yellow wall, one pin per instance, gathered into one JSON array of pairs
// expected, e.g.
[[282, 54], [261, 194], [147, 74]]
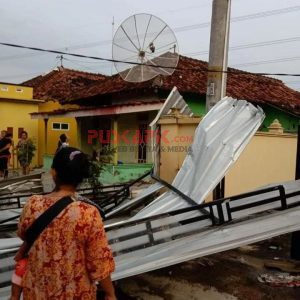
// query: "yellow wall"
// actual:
[[16, 114], [11, 91], [125, 152], [16, 104], [53, 135], [173, 152], [129, 151], [268, 158]]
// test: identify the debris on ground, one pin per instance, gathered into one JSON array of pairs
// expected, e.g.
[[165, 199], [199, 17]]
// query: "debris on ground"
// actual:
[[284, 265], [279, 279], [228, 275]]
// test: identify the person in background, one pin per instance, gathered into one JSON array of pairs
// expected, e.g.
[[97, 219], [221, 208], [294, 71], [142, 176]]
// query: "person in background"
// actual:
[[5, 144], [63, 142], [25, 152], [2, 135], [71, 254]]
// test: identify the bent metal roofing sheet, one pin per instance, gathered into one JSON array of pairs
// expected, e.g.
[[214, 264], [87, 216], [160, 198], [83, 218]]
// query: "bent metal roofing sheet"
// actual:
[[219, 139], [169, 239]]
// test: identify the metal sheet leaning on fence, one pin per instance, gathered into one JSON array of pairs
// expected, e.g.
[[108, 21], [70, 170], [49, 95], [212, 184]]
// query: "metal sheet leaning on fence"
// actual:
[[219, 140]]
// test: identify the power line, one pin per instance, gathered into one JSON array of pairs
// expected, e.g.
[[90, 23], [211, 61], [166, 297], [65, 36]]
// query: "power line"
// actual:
[[88, 62], [81, 64], [263, 14], [271, 61], [140, 64], [252, 45]]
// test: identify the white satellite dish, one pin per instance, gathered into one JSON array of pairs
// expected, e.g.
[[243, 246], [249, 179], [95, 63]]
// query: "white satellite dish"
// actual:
[[144, 46]]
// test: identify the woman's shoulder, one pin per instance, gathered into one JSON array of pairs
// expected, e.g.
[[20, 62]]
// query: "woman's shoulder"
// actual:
[[35, 199], [88, 205], [35, 202]]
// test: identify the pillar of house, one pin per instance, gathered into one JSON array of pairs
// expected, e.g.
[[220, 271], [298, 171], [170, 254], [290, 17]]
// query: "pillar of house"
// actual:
[[177, 132], [46, 135], [114, 138], [79, 125]]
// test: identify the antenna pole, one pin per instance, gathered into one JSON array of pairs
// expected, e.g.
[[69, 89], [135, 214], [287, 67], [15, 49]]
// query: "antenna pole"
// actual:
[[61, 58], [218, 60]]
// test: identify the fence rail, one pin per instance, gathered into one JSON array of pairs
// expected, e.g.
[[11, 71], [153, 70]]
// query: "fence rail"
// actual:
[[154, 230]]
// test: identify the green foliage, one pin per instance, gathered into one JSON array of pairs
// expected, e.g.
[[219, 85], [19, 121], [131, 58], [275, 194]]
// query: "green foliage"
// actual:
[[25, 152], [97, 165]]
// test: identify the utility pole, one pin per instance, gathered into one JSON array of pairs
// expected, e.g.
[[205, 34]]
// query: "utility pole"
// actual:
[[218, 52], [295, 241], [112, 37], [218, 60]]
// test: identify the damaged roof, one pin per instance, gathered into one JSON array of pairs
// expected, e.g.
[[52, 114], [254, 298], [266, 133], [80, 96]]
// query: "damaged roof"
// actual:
[[62, 84], [248, 86], [69, 86]]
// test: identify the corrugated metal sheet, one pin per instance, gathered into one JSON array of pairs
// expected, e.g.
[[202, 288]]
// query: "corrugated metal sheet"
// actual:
[[201, 239], [219, 140], [138, 199], [210, 241], [250, 226], [174, 100]]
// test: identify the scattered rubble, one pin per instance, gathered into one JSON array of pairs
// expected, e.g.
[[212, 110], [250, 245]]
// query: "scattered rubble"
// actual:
[[279, 279]]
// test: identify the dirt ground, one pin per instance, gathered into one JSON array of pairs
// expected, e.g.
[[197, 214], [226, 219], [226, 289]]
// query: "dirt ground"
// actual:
[[224, 276]]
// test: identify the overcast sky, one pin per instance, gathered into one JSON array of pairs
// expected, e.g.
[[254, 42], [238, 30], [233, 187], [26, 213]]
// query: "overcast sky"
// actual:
[[85, 26]]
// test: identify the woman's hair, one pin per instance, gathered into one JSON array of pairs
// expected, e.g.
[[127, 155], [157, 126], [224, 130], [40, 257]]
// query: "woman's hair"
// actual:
[[8, 135], [71, 166], [63, 138]]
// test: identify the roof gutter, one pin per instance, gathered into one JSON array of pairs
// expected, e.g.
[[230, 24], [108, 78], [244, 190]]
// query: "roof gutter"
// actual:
[[99, 111]]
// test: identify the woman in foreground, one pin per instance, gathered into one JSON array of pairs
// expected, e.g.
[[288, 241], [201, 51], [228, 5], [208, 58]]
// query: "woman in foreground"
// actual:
[[71, 254]]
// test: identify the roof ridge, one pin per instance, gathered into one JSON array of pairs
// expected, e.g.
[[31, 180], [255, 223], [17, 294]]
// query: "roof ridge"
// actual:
[[83, 72], [43, 78]]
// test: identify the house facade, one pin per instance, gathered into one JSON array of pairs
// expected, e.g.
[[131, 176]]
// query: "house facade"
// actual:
[[16, 104], [52, 87], [112, 111]]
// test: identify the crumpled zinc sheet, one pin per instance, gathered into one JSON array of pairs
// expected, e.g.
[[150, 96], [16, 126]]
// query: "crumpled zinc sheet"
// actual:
[[219, 140]]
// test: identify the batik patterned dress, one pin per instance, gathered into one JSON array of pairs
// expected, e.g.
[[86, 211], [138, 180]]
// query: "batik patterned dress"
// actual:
[[69, 256]]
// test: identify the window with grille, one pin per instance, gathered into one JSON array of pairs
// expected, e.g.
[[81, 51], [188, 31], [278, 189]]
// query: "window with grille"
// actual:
[[20, 130], [10, 130], [60, 126]]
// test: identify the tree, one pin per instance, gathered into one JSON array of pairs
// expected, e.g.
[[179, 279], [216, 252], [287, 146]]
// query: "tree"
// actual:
[[97, 164], [25, 154]]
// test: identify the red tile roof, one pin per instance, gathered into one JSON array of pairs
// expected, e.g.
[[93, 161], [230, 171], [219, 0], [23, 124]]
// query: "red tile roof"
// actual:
[[62, 84], [70, 86], [248, 86]]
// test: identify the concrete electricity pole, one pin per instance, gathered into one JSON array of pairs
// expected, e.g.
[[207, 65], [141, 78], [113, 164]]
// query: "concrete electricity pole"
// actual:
[[218, 52], [218, 59], [295, 241]]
